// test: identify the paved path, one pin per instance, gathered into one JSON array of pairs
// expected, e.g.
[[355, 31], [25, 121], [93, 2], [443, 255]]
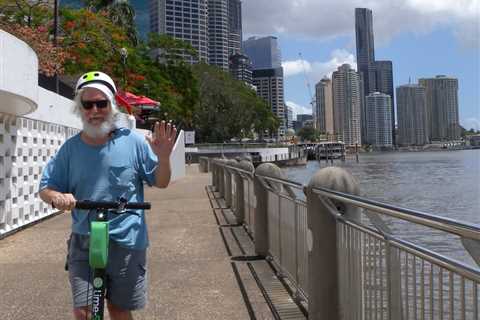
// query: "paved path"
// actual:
[[190, 272]]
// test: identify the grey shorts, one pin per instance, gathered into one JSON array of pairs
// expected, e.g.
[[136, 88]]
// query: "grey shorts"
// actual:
[[126, 274]]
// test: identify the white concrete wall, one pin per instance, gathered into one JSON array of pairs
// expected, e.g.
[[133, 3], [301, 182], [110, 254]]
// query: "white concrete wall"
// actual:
[[18, 76], [26, 145], [177, 159], [55, 109]]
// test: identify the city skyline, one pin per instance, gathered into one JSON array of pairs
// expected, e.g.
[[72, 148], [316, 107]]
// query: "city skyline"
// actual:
[[422, 40]]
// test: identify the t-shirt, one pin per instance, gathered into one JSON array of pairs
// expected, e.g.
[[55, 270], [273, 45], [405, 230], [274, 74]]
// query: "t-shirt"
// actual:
[[105, 173]]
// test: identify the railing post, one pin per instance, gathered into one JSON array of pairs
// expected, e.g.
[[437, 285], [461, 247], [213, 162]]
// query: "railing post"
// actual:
[[221, 177], [203, 164], [323, 276], [240, 196], [260, 232], [228, 183], [214, 174]]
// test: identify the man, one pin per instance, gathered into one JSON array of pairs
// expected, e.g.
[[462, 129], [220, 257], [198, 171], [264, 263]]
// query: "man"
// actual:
[[105, 162]]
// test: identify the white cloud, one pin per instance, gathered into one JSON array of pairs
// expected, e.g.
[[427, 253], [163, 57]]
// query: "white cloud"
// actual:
[[292, 68], [471, 123], [298, 109], [331, 18], [316, 70]]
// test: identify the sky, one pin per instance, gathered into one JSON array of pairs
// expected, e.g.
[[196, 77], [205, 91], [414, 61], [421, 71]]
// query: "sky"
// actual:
[[423, 38]]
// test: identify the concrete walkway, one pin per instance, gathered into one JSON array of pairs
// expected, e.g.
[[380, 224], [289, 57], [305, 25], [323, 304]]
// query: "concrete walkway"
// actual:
[[190, 271]]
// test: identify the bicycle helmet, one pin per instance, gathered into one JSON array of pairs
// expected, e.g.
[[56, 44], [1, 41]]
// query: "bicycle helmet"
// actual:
[[96, 77], [100, 81]]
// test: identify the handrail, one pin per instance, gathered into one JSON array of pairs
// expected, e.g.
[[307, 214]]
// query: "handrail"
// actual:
[[249, 173], [286, 182], [446, 262], [467, 230], [471, 231]]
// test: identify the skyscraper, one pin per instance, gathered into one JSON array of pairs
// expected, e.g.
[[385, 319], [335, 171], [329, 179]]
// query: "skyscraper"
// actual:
[[212, 27], [241, 67], [218, 33], [263, 52], [365, 48], [346, 105], [235, 26], [442, 107], [384, 78], [379, 120], [269, 83], [182, 19], [412, 115], [288, 117], [324, 106]]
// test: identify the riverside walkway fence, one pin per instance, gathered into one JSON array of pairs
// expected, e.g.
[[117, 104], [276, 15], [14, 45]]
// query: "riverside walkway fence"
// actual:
[[335, 249]]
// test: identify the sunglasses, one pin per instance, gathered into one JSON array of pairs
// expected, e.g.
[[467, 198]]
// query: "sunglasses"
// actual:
[[101, 104]]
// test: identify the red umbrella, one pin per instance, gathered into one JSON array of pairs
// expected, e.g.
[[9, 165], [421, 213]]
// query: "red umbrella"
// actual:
[[130, 101], [135, 100]]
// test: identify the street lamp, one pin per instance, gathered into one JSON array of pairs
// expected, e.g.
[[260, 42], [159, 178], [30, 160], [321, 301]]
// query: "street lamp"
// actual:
[[55, 34], [124, 55]]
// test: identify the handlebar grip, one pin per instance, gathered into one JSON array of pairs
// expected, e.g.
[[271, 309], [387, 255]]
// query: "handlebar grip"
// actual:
[[87, 204]]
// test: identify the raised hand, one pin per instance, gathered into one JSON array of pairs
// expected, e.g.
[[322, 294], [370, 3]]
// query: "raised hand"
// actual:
[[162, 139]]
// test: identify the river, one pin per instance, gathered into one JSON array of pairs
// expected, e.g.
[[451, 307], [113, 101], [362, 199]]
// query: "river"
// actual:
[[444, 183]]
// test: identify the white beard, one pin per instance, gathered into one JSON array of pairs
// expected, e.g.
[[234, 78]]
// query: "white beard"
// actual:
[[99, 131]]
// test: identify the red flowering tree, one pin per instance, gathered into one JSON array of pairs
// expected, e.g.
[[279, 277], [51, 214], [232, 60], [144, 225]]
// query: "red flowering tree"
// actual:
[[31, 22]]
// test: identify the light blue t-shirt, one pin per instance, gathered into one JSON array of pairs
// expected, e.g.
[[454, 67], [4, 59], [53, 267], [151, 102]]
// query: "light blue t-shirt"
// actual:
[[105, 173]]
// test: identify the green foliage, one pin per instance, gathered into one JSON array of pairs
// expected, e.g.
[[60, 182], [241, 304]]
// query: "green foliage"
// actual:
[[227, 108], [308, 134], [30, 21], [93, 42], [27, 13]]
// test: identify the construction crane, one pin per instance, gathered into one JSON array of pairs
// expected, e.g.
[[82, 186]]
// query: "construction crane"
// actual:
[[307, 82]]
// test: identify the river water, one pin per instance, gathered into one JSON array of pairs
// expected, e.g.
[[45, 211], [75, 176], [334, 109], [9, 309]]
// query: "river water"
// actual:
[[444, 183]]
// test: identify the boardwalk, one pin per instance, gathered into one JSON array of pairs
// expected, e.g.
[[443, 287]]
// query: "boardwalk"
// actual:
[[190, 270]]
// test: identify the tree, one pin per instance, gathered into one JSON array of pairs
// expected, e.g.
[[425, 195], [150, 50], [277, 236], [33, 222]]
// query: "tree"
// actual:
[[31, 22], [23, 12], [121, 13], [308, 133], [227, 108]]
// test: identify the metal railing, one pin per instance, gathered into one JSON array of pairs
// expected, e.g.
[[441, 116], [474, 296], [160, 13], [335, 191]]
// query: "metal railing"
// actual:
[[376, 274]]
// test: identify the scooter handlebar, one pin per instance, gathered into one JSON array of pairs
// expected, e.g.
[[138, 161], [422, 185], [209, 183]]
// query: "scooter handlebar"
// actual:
[[113, 205]]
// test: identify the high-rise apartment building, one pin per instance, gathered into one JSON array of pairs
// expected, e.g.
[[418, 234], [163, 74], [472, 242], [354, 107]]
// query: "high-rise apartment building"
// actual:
[[324, 106], [289, 117], [212, 27], [184, 20], [412, 115], [379, 120], [241, 68], [442, 107], [346, 105], [269, 83], [384, 78], [235, 26], [218, 33], [365, 49], [263, 52]]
